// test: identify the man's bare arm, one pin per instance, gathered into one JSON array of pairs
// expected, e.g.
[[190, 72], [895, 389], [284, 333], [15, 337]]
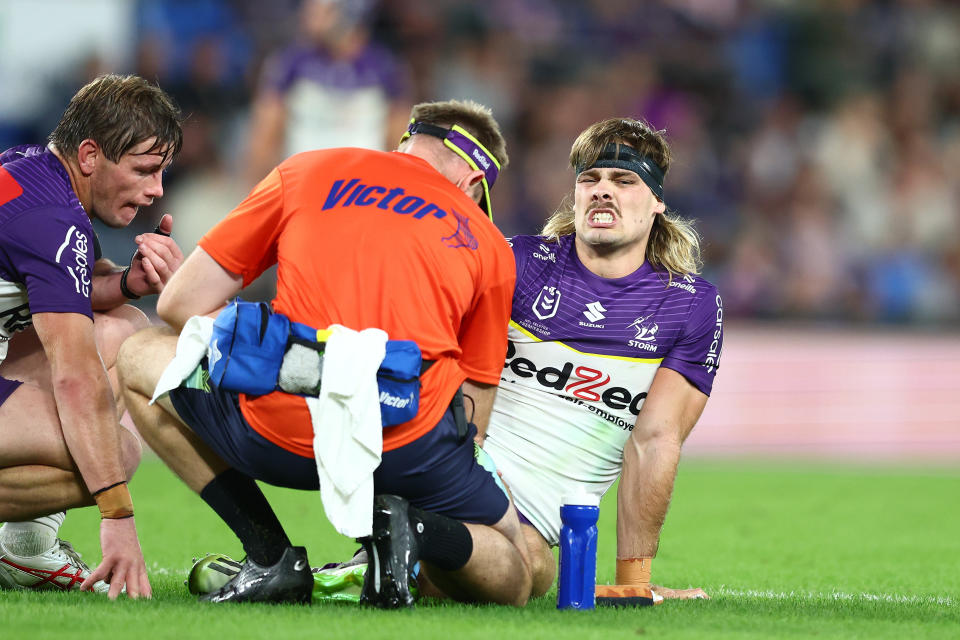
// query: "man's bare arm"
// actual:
[[481, 396], [200, 287], [650, 460], [87, 414]]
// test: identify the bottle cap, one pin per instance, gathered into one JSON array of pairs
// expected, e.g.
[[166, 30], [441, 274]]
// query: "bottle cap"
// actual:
[[581, 496]]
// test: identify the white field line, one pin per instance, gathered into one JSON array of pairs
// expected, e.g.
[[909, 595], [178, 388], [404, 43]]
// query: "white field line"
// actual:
[[751, 594], [836, 595]]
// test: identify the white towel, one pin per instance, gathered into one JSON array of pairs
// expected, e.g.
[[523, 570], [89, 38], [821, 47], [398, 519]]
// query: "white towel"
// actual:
[[193, 344], [348, 434]]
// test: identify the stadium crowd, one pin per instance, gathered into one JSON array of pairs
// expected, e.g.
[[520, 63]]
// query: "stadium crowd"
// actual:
[[818, 142]]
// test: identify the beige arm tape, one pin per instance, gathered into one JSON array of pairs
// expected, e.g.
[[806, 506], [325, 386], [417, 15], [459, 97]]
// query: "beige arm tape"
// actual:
[[114, 502], [633, 571]]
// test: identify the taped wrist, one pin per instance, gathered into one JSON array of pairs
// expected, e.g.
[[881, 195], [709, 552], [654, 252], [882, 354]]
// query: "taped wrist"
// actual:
[[633, 571], [124, 289], [114, 501]]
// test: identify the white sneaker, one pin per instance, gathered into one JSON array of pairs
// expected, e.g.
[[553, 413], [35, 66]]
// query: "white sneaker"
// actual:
[[58, 568]]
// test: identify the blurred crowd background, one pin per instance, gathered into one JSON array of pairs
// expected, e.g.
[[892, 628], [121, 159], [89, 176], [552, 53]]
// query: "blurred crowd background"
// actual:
[[817, 143]]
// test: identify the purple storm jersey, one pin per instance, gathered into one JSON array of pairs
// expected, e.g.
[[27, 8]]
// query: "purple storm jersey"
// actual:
[[334, 102], [583, 351], [46, 241]]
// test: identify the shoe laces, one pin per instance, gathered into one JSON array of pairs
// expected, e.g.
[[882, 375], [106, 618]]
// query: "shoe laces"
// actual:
[[65, 549]]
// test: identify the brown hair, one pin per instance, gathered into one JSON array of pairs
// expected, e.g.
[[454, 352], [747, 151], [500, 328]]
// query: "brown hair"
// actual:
[[474, 117], [674, 243], [118, 113]]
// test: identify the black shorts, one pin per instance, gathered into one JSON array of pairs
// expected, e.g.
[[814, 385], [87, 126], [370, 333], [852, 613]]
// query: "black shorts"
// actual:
[[438, 472]]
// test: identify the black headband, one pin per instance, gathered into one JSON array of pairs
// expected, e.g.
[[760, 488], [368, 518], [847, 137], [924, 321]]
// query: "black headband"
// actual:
[[620, 156]]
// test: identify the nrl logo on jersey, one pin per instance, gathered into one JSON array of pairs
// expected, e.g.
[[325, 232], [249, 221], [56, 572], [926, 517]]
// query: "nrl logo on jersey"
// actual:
[[646, 337], [547, 302], [545, 253]]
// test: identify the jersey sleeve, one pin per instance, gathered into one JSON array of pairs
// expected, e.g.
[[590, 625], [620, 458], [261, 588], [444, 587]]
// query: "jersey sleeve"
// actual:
[[483, 334], [53, 259], [696, 354], [245, 242]]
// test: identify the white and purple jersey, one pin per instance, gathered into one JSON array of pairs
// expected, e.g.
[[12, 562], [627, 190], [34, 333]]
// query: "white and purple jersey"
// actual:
[[334, 102], [46, 241], [582, 354]]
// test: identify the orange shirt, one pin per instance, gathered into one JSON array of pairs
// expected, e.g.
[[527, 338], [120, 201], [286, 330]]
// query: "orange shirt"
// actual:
[[372, 239]]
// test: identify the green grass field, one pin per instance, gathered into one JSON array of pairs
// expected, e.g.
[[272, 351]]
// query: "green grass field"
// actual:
[[786, 550]]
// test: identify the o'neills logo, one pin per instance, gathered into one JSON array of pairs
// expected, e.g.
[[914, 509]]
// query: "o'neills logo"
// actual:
[[713, 354], [583, 383], [75, 242]]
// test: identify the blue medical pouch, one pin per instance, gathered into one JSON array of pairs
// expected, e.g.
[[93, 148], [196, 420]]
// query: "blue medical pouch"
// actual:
[[249, 342], [247, 347], [399, 381]]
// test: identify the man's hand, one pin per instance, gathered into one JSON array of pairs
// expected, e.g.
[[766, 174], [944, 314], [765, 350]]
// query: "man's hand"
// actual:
[[122, 563], [679, 594], [157, 257]]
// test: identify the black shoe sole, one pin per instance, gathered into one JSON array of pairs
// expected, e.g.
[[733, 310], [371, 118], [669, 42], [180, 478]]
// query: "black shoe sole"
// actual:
[[391, 553]]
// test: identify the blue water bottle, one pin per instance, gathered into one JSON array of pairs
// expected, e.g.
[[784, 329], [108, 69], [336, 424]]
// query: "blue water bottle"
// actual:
[[578, 551]]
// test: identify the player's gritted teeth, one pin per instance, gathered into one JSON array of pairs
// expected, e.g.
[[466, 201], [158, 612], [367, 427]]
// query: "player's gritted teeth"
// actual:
[[601, 217]]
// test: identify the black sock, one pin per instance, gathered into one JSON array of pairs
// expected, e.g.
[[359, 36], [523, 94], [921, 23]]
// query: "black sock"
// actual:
[[444, 542], [239, 502]]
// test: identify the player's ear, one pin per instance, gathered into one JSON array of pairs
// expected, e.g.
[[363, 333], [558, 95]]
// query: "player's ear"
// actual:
[[88, 153], [470, 184], [660, 206]]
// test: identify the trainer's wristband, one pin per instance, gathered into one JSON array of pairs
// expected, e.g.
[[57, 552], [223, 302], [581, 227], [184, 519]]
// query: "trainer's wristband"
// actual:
[[124, 289], [114, 501], [633, 571]]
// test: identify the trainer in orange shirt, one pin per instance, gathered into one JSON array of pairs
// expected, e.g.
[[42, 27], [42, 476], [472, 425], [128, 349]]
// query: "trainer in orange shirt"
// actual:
[[362, 239]]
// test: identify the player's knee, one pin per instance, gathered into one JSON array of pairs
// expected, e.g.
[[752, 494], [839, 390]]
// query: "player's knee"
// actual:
[[131, 451], [130, 356], [113, 327], [544, 571]]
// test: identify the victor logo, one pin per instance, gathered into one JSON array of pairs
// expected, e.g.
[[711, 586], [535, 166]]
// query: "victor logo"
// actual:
[[395, 401]]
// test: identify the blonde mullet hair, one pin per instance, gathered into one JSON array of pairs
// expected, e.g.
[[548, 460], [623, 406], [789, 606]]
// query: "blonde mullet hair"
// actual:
[[674, 243]]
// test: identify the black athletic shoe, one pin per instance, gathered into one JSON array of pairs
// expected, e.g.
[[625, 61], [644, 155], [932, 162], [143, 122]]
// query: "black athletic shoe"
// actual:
[[392, 551], [289, 580]]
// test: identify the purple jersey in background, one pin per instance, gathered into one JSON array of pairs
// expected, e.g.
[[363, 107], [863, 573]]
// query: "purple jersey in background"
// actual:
[[334, 102], [46, 241]]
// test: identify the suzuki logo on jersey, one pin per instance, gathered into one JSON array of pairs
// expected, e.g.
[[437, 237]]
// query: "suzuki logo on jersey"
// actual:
[[594, 312], [646, 334], [545, 306], [80, 269], [583, 383]]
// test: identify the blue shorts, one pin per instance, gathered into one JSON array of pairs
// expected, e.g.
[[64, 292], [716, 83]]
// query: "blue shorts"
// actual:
[[7, 387], [438, 472]]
